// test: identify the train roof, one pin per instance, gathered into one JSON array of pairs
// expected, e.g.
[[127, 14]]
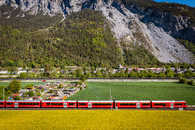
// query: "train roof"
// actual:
[[92, 101], [23, 101], [83, 101], [69, 100], [58, 100], [101, 101], [167, 101], [52, 100], [131, 101]]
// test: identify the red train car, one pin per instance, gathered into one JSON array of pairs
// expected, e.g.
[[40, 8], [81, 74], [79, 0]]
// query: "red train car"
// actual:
[[70, 104], [28, 103], [100, 104], [163, 104], [52, 104], [180, 104], [2, 103], [11, 104], [145, 104], [82, 104], [22, 104], [132, 104]]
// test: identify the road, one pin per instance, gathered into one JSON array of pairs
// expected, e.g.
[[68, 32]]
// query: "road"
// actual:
[[94, 80]]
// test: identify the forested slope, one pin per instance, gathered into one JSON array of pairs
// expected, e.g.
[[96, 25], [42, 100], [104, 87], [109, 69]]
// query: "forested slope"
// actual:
[[83, 38]]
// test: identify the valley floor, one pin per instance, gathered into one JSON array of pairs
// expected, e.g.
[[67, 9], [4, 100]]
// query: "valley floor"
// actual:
[[130, 91]]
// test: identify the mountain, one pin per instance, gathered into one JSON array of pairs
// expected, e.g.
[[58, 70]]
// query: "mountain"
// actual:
[[127, 31]]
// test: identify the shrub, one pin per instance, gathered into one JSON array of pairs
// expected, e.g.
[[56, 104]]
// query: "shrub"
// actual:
[[191, 82], [182, 80]]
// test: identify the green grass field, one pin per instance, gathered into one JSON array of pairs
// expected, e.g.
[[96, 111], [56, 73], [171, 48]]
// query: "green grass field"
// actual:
[[96, 120], [137, 91]]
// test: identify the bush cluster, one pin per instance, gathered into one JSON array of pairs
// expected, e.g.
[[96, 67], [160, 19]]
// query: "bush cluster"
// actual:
[[186, 81]]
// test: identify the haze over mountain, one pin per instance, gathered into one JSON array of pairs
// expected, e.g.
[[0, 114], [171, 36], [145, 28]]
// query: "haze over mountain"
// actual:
[[131, 25]]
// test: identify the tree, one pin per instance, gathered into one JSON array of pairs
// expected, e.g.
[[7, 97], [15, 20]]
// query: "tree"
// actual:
[[16, 98], [38, 93], [2, 93], [133, 74], [83, 78], [161, 75], [29, 86], [79, 73], [31, 94], [14, 86], [98, 73], [188, 74], [169, 73], [12, 70], [191, 82], [23, 75], [182, 80]]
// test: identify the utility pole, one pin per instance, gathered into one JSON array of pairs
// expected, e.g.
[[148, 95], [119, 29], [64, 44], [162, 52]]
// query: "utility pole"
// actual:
[[110, 96], [3, 94]]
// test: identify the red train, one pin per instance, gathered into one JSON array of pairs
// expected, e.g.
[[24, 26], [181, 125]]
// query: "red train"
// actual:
[[112, 104]]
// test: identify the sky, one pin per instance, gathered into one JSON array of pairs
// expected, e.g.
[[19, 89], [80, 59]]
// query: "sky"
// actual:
[[186, 2]]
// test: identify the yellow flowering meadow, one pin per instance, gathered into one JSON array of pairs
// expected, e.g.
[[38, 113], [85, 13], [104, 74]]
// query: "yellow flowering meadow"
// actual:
[[96, 119]]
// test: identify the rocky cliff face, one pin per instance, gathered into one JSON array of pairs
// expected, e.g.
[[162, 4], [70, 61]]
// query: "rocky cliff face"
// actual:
[[177, 26], [130, 24]]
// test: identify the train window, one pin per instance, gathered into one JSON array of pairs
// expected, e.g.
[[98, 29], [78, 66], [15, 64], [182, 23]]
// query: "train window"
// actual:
[[54, 103], [9, 103], [145, 104], [160, 104], [82, 104], [71, 104], [57, 103], [28, 103], [1, 103], [100, 104], [127, 104], [179, 104]]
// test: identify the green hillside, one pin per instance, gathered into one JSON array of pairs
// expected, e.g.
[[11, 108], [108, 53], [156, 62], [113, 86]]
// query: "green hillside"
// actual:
[[83, 38]]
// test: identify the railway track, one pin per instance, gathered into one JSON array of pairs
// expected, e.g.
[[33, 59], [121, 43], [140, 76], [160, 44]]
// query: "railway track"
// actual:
[[174, 109]]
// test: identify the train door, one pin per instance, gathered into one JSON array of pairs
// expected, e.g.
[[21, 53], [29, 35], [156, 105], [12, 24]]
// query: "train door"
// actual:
[[116, 105], [172, 105], [89, 105], [138, 105], [65, 104], [16, 105]]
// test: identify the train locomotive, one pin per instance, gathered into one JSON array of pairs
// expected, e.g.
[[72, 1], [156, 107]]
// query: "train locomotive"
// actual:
[[109, 104]]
